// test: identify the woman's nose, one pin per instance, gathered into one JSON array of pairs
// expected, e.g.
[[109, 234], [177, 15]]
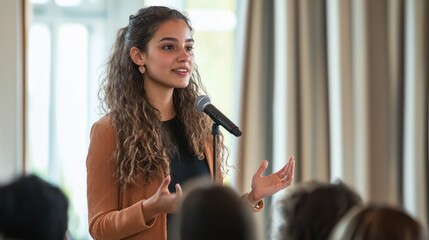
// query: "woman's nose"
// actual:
[[184, 56]]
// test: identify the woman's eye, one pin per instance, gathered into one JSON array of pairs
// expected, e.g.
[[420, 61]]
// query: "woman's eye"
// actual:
[[189, 48], [168, 47]]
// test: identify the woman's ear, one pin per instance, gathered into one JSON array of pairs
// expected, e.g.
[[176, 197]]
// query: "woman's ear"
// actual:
[[137, 56]]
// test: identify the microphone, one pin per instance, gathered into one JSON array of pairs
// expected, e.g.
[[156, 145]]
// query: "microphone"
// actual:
[[203, 104]]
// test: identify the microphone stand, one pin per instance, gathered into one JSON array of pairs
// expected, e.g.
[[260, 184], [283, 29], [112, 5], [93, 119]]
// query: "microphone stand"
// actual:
[[215, 132]]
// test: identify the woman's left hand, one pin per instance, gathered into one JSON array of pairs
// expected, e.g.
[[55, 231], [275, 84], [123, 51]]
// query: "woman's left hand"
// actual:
[[264, 186]]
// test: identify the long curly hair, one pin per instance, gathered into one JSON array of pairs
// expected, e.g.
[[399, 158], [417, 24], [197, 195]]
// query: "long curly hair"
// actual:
[[143, 147]]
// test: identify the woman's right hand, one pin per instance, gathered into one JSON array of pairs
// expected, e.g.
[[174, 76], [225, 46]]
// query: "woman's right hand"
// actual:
[[163, 201]]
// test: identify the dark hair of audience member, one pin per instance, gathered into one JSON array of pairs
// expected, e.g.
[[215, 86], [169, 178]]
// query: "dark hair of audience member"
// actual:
[[31, 208], [377, 222], [310, 210], [214, 212]]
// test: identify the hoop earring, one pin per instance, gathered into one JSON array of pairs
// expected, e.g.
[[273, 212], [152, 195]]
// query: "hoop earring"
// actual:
[[142, 69]]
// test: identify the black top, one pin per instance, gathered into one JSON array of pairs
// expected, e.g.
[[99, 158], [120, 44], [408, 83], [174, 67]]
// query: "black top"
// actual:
[[185, 165]]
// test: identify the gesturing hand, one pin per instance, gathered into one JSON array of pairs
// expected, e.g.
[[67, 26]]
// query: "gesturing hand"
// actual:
[[167, 201], [163, 201], [264, 186]]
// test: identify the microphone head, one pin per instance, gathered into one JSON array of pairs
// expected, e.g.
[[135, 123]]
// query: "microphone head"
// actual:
[[201, 102]]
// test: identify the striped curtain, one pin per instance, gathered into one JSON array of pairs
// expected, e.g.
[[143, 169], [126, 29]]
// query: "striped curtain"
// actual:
[[343, 86]]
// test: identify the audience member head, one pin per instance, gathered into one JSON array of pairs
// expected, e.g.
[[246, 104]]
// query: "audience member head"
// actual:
[[310, 210], [31, 208], [212, 211], [374, 222]]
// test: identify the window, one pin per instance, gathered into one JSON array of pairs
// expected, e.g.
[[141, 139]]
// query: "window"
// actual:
[[67, 47]]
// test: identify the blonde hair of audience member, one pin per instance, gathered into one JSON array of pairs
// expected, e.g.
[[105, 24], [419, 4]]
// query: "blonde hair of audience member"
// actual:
[[212, 211], [377, 222], [311, 209]]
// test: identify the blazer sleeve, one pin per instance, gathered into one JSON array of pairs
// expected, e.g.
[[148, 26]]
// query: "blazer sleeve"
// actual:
[[106, 220]]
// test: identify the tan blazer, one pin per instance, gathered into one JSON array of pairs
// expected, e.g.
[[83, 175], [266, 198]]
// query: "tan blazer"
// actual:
[[114, 213]]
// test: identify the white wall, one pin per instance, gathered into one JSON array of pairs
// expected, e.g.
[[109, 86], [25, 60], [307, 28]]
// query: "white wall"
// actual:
[[10, 89]]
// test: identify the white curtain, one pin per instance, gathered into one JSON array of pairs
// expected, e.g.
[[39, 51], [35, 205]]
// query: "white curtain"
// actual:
[[343, 86]]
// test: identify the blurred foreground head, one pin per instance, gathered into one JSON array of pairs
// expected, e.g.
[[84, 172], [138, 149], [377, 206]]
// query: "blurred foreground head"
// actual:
[[31, 208], [374, 222], [212, 212], [311, 209]]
